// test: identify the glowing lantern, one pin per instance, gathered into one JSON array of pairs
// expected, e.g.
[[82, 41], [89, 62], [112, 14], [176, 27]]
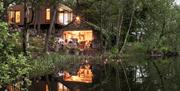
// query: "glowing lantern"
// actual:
[[78, 20]]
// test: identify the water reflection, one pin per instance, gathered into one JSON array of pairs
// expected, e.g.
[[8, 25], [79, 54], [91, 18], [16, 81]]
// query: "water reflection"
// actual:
[[84, 75], [45, 86], [61, 87], [131, 74], [141, 75]]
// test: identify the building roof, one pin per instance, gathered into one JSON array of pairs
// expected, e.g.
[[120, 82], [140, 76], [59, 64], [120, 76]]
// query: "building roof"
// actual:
[[74, 26], [62, 6], [59, 5]]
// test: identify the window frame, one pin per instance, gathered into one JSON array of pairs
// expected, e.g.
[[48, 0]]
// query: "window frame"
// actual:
[[63, 13], [19, 21], [59, 17], [12, 16], [47, 11]]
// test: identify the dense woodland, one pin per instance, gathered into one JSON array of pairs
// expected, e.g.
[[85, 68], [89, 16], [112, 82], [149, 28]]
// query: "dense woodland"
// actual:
[[128, 29]]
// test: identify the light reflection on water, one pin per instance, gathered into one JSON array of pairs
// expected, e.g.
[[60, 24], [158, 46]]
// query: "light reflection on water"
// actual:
[[136, 74]]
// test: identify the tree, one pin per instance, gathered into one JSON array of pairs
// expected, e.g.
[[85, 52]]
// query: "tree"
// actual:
[[156, 20], [13, 65], [48, 33], [112, 18]]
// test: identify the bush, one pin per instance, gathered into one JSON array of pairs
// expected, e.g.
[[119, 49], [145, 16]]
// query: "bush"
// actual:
[[50, 63], [13, 65]]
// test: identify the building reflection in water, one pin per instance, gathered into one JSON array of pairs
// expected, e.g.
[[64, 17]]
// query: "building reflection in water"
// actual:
[[84, 75]]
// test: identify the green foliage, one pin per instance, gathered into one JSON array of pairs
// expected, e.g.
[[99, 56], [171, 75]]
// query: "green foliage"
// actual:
[[114, 50], [156, 19], [50, 63], [13, 65], [1, 7]]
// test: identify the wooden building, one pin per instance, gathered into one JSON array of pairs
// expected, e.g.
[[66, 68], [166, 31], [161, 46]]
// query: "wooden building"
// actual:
[[84, 33], [67, 25], [41, 16]]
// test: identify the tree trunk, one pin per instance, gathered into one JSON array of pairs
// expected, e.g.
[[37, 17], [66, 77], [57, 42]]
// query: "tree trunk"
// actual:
[[27, 38], [38, 20], [160, 76], [162, 33], [127, 34], [119, 32], [49, 31], [4, 13], [25, 30], [35, 18]]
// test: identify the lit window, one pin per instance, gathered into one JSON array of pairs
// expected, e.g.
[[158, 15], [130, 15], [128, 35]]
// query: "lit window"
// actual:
[[18, 17], [11, 16], [14, 16], [69, 17], [48, 14], [65, 18], [84, 35], [61, 18]]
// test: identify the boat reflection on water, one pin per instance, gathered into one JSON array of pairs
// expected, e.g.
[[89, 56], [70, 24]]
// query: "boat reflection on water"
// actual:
[[84, 75]]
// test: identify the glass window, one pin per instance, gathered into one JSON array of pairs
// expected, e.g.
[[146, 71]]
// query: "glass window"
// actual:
[[11, 16], [14, 16], [84, 35], [61, 18], [18, 17], [65, 18], [48, 14], [69, 17]]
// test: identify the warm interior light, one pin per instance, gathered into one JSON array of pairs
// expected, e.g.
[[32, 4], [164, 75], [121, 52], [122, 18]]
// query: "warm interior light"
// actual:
[[61, 87], [14, 16], [77, 18], [18, 17], [64, 17], [48, 14], [61, 18], [84, 75], [47, 88], [11, 16], [60, 9], [84, 35]]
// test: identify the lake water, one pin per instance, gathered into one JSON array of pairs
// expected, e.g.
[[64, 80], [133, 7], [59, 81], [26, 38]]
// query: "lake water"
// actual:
[[130, 74]]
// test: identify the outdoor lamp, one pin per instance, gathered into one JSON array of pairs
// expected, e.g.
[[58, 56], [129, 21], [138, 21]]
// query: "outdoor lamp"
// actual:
[[78, 20]]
